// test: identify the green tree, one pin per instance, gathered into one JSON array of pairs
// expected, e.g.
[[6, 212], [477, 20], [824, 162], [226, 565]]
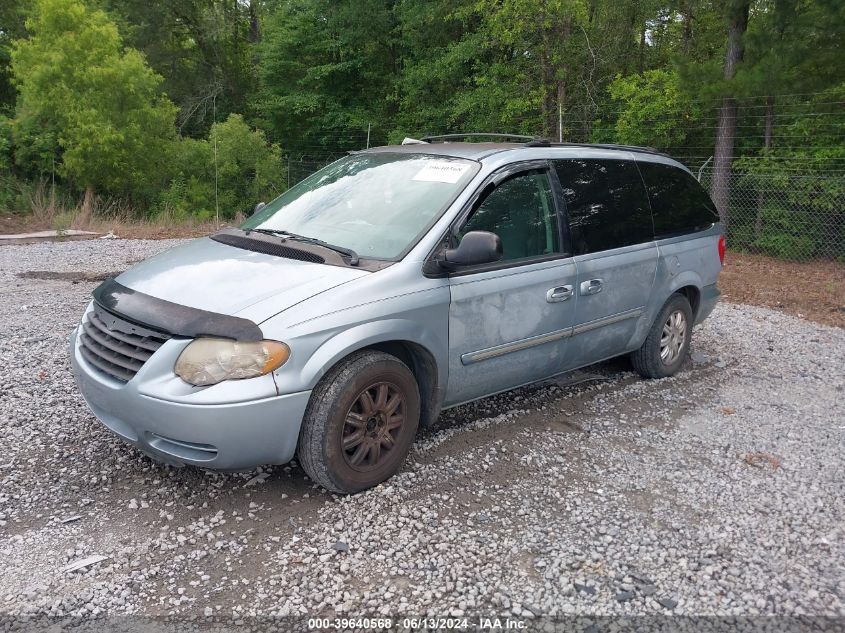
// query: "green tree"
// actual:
[[87, 103], [245, 167], [202, 48], [518, 65], [653, 109], [11, 28], [327, 68], [249, 169], [8, 188], [487, 65], [537, 46], [800, 214], [438, 47]]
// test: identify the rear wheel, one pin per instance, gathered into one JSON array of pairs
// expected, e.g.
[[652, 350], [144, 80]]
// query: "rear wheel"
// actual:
[[668, 341], [360, 423]]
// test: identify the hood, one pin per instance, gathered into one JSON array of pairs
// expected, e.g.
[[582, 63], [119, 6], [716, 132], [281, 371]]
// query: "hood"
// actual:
[[211, 276]]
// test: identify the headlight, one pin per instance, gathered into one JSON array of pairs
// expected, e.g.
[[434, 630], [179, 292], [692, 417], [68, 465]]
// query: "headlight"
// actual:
[[207, 361]]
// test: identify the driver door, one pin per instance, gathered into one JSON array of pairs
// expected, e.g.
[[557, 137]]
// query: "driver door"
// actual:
[[509, 322]]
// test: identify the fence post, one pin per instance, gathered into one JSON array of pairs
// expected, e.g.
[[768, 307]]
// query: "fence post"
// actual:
[[701, 169]]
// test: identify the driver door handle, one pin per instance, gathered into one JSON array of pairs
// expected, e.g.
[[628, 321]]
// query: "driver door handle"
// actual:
[[591, 286], [560, 293]]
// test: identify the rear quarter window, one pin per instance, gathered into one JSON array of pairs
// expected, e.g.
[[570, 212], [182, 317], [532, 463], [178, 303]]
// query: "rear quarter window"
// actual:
[[606, 204], [679, 204]]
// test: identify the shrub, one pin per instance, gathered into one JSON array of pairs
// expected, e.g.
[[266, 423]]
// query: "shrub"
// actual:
[[654, 110], [249, 170], [787, 233]]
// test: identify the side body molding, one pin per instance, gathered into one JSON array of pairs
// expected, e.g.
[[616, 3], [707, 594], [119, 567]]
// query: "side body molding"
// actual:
[[533, 341]]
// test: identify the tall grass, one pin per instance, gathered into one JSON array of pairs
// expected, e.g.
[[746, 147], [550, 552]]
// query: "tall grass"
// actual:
[[52, 209]]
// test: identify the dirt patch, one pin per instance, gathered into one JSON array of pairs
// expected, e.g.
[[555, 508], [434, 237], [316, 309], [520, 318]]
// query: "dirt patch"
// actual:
[[134, 230], [72, 276], [151, 231], [812, 290], [16, 223]]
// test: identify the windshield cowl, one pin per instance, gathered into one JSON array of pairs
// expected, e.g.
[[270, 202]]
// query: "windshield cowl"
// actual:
[[260, 242], [287, 235]]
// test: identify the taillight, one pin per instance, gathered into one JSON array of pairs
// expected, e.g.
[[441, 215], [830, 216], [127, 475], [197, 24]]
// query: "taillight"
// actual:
[[722, 249]]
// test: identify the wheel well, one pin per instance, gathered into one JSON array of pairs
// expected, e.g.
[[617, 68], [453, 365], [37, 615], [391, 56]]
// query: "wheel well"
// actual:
[[422, 364], [693, 295]]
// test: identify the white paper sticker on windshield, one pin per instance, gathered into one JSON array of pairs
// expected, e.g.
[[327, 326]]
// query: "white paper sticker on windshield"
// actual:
[[442, 171]]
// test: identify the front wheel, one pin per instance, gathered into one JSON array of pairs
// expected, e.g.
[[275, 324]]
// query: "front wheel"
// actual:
[[360, 422], [668, 341]]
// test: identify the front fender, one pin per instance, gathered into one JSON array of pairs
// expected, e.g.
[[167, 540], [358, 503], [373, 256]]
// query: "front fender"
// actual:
[[366, 334]]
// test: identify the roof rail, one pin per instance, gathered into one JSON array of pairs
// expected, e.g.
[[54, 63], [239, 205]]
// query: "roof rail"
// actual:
[[629, 148], [445, 138], [539, 142], [531, 141]]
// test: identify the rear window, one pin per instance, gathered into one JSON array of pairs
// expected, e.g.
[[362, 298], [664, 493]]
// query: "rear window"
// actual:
[[679, 203], [606, 204]]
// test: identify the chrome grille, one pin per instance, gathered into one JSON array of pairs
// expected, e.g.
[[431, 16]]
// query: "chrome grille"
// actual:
[[115, 346]]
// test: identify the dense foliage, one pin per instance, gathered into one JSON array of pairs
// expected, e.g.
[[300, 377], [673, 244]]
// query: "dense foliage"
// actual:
[[200, 106], [86, 103]]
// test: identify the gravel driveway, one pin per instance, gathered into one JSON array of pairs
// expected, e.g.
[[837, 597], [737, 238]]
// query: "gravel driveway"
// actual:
[[719, 491]]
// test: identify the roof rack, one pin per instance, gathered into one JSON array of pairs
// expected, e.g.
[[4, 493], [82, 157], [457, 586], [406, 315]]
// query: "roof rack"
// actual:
[[531, 141], [445, 138], [631, 148], [542, 142]]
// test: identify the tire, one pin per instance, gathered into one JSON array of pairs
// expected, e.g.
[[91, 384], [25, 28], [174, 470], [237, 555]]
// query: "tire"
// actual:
[[354, 406], [668, 341]]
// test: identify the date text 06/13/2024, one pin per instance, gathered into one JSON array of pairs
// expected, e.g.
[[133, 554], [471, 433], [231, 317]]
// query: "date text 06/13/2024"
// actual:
[[423, 623]]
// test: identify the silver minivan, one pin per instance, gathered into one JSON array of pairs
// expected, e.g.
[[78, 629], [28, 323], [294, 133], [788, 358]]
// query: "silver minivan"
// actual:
[[393, 283]]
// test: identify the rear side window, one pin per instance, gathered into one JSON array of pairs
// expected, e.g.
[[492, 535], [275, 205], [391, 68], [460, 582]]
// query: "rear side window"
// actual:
[[606, 204], [678, 202]]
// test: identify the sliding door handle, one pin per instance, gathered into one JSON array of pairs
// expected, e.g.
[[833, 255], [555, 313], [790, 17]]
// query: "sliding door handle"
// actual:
[[591, 286]]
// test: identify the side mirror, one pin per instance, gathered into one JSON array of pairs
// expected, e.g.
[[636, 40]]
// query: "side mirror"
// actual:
[[476, 247], [258, 207]]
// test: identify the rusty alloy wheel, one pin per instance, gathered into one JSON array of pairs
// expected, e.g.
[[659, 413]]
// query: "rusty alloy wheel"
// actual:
[[360, 422], [372, 426]]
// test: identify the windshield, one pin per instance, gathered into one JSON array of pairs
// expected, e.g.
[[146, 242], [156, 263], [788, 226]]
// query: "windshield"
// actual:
[[375, 204]]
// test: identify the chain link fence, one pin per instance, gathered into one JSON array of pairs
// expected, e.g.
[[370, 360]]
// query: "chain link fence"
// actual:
[[299, 167], [787, 187], [790, 215]]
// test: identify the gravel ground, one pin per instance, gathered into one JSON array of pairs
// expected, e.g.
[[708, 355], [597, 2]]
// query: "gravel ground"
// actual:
[[717, 492]]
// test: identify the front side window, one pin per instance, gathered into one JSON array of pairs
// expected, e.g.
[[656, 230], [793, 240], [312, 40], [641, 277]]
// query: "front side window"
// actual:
[[522, 213], [679, 203], [375, 204], [606, 204]]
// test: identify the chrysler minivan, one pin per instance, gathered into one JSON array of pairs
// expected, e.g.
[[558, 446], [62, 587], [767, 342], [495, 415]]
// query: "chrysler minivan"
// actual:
[[393, 283]]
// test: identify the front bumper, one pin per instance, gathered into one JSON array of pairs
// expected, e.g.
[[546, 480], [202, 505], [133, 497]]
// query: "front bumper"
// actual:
[[225, 436]]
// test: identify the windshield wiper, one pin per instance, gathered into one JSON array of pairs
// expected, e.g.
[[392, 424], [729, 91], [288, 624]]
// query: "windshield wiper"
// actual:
[[348, 252]]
